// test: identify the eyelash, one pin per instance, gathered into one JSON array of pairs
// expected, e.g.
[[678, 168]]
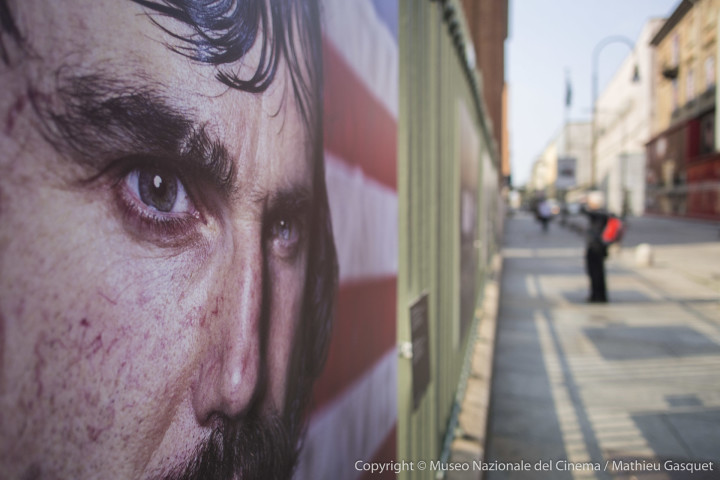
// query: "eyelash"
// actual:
[[164, 228]]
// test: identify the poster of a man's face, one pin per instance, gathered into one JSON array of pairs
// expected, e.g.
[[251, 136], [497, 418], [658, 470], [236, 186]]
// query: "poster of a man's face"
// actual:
[[167, 267]]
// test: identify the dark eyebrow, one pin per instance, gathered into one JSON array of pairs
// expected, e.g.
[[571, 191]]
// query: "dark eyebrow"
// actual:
[[297, 201], [95, 119], [294, 199]]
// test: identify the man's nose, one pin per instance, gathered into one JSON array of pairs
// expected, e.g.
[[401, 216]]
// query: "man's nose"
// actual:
[[231, 365]]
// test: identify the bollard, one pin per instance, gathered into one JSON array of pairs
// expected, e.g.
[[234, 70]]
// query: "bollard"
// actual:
[[644, 255]]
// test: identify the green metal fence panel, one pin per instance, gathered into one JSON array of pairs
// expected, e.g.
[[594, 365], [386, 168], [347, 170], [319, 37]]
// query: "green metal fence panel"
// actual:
[[435, 86]]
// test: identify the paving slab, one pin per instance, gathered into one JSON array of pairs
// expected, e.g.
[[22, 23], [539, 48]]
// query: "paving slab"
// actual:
[[635, 380]]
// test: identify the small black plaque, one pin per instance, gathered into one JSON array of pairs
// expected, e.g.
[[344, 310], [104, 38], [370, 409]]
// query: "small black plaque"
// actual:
[[420, 348]]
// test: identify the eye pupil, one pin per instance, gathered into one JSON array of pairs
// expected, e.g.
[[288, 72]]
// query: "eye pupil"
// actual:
[[285, 230], [158, 190], [285, 233]]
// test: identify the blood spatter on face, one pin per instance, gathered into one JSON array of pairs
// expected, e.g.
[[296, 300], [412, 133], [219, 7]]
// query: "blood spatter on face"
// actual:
[[14, 112], [40, 363], [103, 422], [107, 298]]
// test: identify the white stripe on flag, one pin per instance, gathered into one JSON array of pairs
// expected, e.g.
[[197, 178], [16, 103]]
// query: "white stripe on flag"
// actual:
[[367, 45], [353, 427], [365, 222]]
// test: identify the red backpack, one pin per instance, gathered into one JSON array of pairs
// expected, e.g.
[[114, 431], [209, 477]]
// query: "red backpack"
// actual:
[[613, 230]]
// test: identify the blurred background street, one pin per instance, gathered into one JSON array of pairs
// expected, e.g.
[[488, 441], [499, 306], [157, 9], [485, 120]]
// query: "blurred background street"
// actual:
[[636, 378]]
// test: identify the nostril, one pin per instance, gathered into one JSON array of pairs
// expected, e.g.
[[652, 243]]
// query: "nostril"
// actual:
[[228, 385], [215, 421]]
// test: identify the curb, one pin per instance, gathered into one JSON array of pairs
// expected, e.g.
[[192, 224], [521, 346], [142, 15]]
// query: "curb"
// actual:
[[471, 434]]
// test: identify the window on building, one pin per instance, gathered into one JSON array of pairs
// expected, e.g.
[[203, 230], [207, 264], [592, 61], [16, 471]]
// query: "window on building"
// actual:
[[675, 52], [709, 72], [690, 86], [707, 133]]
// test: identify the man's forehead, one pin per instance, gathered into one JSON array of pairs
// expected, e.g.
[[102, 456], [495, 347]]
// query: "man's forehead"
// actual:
[[80, 23], [108, 35], [243, 45]]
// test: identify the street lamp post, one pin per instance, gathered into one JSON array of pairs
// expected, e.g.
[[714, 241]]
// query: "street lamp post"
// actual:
[[596, 54]]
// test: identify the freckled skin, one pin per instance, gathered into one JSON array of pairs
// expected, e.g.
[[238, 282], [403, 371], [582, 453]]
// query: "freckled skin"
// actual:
[[115, 351]]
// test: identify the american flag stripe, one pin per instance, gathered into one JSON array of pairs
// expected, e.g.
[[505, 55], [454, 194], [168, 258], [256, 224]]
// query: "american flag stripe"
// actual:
[[365, 218], [364, 42], [357, 127], [354, 427], [364, 331], [354, 409], [386, 454]]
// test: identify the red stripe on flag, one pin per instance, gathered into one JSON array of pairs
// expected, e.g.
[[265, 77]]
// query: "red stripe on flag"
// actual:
[[385, 455], [363, 332], [357, 129]]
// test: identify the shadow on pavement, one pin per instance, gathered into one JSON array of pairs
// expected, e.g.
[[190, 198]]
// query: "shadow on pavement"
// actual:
[[623, 342], [629, 380]]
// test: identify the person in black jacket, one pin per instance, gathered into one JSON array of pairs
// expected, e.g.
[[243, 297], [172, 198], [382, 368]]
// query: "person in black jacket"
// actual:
[[596, 249]]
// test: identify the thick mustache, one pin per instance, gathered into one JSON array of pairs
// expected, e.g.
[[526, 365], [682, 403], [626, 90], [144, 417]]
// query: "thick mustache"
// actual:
[[247, 449]]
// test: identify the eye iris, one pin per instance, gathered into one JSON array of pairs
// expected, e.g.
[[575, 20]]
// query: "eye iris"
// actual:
[[284, 231], [157, 190]]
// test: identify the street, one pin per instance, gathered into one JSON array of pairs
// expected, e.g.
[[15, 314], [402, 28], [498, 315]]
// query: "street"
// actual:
[[632, 386]]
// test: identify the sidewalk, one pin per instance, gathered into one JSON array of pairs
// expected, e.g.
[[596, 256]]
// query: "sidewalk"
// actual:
[[625, 386]]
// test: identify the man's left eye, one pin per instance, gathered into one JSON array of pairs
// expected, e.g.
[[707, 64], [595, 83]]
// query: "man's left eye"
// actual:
[[159, 190], [285, 236]]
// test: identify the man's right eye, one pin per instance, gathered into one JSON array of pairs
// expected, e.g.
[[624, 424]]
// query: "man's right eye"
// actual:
[[159, 190], [157, 205]]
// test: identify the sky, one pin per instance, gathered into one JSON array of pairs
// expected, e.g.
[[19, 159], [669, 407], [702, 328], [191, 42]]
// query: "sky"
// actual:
[[549, 40]]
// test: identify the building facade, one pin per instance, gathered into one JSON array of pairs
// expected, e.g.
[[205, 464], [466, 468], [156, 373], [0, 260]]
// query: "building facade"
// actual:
[[623, 120], [488, 24], [683, 164]]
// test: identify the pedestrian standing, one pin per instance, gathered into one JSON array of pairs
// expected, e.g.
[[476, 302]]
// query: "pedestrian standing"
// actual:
[[596, 250]]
